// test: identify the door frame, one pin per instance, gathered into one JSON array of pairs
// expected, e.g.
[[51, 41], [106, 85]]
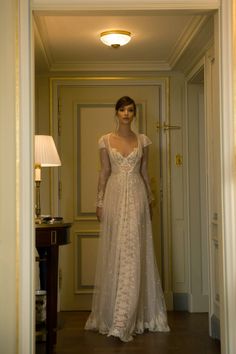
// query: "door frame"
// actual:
[[203, 181], [227, 157]]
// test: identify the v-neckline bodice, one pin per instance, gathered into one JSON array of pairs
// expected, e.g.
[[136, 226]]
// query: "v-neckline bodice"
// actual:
[[117, 151]]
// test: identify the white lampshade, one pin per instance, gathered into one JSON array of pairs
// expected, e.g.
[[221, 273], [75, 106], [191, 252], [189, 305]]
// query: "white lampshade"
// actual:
[[115, 38], [46, 154]]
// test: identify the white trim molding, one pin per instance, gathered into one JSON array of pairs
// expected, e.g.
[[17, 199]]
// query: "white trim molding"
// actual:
[[228, 265], [25, 138], [125, 5]]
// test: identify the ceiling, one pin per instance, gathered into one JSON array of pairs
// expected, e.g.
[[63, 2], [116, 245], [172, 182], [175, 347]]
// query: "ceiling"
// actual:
[[70, 41]]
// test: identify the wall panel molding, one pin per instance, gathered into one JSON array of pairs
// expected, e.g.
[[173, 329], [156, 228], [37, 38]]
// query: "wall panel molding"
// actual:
[[85, 261]]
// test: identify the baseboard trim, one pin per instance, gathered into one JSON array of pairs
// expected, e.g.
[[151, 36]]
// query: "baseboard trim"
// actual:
[[215, 327], [180, 301], [169, 300]]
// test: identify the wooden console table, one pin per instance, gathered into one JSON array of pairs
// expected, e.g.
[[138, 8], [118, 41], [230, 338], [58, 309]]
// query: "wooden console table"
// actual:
[[50, 237]]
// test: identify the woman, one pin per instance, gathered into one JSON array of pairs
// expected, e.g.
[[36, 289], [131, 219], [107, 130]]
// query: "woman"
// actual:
[[128, 297]]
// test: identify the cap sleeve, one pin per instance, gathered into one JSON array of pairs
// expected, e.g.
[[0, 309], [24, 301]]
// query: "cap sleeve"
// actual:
[[145, 141], [101, 143]]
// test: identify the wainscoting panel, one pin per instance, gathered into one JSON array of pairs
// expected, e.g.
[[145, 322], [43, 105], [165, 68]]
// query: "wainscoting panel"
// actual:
[[85, 261]]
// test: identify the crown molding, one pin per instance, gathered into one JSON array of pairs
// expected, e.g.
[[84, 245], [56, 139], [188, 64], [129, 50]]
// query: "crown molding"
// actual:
[[203, 41], [42, 36], [124, 5], [111, 66], [191, 30], [38, 39]]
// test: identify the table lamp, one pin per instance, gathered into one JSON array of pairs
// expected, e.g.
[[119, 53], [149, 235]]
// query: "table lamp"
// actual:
[[46, 155]]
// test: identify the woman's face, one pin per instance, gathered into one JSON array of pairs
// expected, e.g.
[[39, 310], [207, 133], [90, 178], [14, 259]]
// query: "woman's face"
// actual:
[[125, 114]]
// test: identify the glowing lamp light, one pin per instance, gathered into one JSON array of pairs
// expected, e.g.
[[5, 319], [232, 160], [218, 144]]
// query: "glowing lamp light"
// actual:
[[115, 38]]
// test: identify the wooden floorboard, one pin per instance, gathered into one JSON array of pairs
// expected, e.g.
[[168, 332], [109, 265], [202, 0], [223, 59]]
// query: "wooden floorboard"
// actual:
[[188, 335]]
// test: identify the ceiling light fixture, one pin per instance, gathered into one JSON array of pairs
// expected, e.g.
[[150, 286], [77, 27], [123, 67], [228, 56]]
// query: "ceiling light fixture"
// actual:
[[115, 38]]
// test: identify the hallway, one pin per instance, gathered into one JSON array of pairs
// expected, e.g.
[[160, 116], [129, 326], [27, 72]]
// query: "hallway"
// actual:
[[188, 336]]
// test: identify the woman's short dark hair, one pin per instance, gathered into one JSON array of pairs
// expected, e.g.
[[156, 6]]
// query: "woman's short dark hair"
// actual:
[[125, 101]]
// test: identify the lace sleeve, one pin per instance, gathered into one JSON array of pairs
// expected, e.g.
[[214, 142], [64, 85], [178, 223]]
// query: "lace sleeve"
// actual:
[[104, 173], [145, 141], [144, 173]]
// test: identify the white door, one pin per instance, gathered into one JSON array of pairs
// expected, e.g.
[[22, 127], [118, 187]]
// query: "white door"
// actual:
[[204, 190], [198, 198], [85, 113]]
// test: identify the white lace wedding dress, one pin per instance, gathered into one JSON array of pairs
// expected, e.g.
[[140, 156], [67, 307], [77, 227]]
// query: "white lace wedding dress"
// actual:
[[128, 297]]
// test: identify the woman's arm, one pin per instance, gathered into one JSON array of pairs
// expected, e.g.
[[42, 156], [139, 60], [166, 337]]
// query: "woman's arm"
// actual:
[[144, 173], [102, 180]]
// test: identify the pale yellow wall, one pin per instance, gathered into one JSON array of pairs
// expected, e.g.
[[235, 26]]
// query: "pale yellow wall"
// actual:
[[8, 302]]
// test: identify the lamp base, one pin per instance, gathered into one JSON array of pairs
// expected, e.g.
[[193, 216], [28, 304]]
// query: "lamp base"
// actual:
[[38, 220], [37, 206]]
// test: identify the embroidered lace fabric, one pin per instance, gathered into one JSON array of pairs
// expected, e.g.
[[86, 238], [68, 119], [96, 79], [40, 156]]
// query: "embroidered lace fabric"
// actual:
[[128, 297]]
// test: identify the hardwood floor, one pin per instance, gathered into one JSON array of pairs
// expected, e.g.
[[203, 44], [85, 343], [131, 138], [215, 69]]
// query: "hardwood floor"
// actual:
[[188, 335]]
